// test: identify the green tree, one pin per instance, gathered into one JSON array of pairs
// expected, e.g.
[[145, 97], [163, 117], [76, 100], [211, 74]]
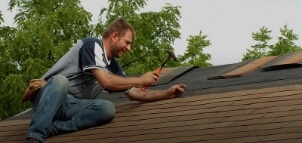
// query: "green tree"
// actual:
[[8, 67], [261, 48], [45, 31], [1, 18], [194, 54], [285, 44]]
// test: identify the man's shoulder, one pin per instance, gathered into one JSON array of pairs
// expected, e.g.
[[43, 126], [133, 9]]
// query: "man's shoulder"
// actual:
[[90, 39]]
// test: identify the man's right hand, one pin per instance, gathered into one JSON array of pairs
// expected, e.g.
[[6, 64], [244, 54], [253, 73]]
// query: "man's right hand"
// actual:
[[149, 78]]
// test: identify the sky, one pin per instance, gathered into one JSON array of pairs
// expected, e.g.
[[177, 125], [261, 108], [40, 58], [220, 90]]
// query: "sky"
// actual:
[[228, 24]]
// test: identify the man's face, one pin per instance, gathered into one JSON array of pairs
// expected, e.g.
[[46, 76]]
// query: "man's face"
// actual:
[[122, 44]]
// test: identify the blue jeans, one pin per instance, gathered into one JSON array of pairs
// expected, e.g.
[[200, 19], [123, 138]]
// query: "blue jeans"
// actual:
[[57, 112]]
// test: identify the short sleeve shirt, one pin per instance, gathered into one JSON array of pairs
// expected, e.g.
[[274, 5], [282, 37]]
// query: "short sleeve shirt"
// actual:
[[76, 65]]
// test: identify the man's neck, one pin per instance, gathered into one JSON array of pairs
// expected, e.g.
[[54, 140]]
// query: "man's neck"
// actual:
[[106, 48]]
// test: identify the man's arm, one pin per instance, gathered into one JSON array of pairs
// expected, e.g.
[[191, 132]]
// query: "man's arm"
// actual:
[[137, 94], [115, 82]]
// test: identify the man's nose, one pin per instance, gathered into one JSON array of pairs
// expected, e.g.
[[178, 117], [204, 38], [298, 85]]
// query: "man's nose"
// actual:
[[128, 47]]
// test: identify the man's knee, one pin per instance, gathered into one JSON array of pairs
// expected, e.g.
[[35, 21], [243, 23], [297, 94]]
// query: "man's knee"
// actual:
[[60, 81], [55, 90], [106, 110], [109, 110]]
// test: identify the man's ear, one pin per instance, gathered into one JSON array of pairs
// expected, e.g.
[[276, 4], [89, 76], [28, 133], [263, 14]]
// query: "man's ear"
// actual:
[[115, 36]]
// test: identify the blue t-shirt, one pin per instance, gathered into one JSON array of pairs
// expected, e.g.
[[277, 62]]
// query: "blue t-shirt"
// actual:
[[76, 65]]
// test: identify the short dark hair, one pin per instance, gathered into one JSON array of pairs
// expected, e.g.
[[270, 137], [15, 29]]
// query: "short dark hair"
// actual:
[[120, 26]]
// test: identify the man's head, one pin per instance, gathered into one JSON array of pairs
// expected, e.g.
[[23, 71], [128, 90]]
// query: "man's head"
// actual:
[[119, 35]]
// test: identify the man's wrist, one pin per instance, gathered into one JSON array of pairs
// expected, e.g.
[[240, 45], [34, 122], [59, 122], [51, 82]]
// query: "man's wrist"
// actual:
[[137, 81], [168, 94]]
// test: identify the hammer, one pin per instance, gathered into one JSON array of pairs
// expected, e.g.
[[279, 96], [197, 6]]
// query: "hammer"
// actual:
[[158, 70]]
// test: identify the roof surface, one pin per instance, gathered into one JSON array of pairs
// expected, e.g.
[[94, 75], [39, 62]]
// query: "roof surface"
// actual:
[[256, 104]]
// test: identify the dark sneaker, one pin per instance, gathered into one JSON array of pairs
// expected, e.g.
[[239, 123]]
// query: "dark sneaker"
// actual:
[[53, 131]]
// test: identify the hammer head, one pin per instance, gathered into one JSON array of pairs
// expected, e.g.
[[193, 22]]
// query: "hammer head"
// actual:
[[170, 55]]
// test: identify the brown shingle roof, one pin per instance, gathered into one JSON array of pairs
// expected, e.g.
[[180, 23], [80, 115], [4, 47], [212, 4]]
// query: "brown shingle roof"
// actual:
[[259, 115], [261, 106]]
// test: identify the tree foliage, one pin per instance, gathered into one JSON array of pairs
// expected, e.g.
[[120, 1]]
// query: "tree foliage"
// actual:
[[285, 44], [1, 18], [45, 30], [261, 48], [194, 54]]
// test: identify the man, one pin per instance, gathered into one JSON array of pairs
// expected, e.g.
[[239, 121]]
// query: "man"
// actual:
[[66, 103]]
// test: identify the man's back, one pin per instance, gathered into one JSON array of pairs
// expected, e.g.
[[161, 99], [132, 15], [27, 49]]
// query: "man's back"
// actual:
[[81, 84]]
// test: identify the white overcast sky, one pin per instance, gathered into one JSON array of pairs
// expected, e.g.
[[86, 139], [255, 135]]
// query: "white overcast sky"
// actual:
[[227, 23]]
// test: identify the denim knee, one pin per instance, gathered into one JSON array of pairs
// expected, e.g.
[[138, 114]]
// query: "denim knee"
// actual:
[[59, 85], [60, 81], [55, 87], [106, 109]]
